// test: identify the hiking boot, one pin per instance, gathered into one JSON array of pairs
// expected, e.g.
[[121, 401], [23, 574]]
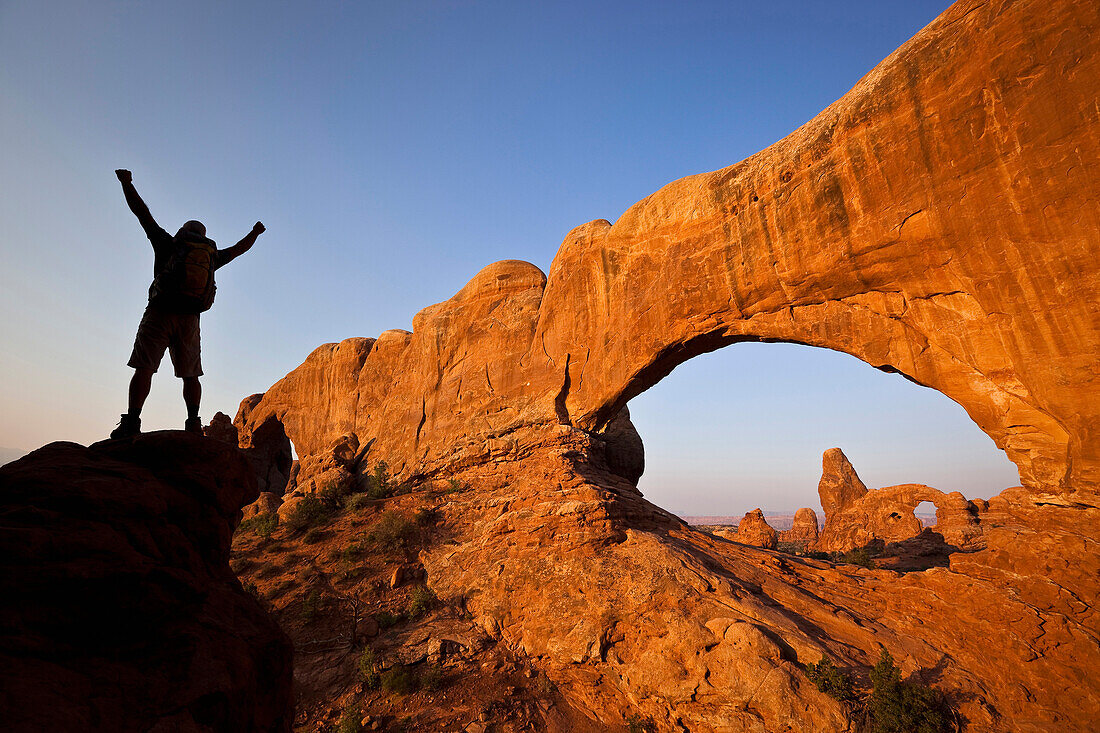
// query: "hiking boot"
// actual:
[[193, 425], [128, 427]]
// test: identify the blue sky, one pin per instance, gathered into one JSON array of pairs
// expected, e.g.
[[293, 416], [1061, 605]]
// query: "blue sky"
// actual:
[[392, 150]]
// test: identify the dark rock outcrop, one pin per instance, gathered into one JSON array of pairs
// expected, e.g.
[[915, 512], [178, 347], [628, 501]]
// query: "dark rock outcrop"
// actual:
[[118, 609]]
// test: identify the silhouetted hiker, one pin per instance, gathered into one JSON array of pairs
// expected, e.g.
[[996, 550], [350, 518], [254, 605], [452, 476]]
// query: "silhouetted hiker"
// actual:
[[183, 287]]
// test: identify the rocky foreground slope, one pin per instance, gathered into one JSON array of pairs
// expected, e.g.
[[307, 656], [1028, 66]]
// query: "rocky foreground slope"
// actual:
[[941, 221]]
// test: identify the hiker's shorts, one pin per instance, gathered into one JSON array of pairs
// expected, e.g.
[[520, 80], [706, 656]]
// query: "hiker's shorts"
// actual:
[[177, 332]]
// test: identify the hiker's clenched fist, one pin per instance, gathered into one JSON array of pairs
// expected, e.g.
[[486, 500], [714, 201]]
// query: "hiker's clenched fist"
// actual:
[[124, 175], [259, 228]]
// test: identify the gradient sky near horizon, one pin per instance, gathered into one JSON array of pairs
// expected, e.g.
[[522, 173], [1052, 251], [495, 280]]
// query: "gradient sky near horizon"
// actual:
[[394, 149]]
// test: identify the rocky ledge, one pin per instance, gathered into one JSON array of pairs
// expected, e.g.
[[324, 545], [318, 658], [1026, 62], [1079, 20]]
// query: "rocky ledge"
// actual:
[[118, 610]]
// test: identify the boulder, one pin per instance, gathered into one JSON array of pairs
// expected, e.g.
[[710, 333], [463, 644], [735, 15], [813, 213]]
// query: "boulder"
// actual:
[[221, 428], [265, 504]]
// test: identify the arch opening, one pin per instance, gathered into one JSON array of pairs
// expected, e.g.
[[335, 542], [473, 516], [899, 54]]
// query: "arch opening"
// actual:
[[746, 427], [925, 512]]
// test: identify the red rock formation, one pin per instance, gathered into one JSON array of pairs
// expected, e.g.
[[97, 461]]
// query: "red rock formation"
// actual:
[[119, 610], [938, 221], [888, 514], [266, 446], [804, 530], [754, 530], [855, 517], [840, 485]]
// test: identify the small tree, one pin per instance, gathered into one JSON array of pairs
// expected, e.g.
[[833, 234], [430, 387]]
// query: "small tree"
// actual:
[[830, 680], [423, 600], [350, 721], [368, 675], [380, 485], [393, 531], [903, 707], [306, 513], [262, 524]]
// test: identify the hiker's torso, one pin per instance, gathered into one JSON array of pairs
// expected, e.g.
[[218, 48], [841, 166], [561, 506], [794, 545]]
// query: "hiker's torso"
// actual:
[[183, 272]]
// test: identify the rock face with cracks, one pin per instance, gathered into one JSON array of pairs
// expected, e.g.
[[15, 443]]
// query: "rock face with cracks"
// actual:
[[940, 221], [118, 610]]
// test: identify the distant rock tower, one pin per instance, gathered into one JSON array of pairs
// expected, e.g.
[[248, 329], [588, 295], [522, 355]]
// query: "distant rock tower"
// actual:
[[755, 530]]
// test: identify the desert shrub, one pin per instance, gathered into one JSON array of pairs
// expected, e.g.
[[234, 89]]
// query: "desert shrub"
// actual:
[[350, 720], [427, 517], [859, 557], [454, 486], [314, 536], [263, 525], [352, 552], [366, 671], [432, 679], [358, 502], [638, 724], [385, 619], [393, 531], [283, 587], [792, 548], [819, 555], [268, 570], [401, 679], [830, 680], [311, 606], [903, 707], [332, 497], [423, 600], [306, 513], [379, 484]]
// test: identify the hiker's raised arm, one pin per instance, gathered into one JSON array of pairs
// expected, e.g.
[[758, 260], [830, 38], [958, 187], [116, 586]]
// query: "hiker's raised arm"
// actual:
[[229, 254], [141, 211]]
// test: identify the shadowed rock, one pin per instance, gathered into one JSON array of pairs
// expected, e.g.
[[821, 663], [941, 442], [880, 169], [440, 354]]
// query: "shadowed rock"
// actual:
[[118, 610]]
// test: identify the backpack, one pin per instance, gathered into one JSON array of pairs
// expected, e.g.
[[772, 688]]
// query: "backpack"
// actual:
[[186, 284]]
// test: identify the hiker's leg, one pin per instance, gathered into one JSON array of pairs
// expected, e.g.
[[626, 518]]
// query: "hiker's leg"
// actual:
[[139, 390], [192, 395]]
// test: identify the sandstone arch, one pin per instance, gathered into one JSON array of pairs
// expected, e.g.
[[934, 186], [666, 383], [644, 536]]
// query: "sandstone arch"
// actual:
[[932, 222]]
